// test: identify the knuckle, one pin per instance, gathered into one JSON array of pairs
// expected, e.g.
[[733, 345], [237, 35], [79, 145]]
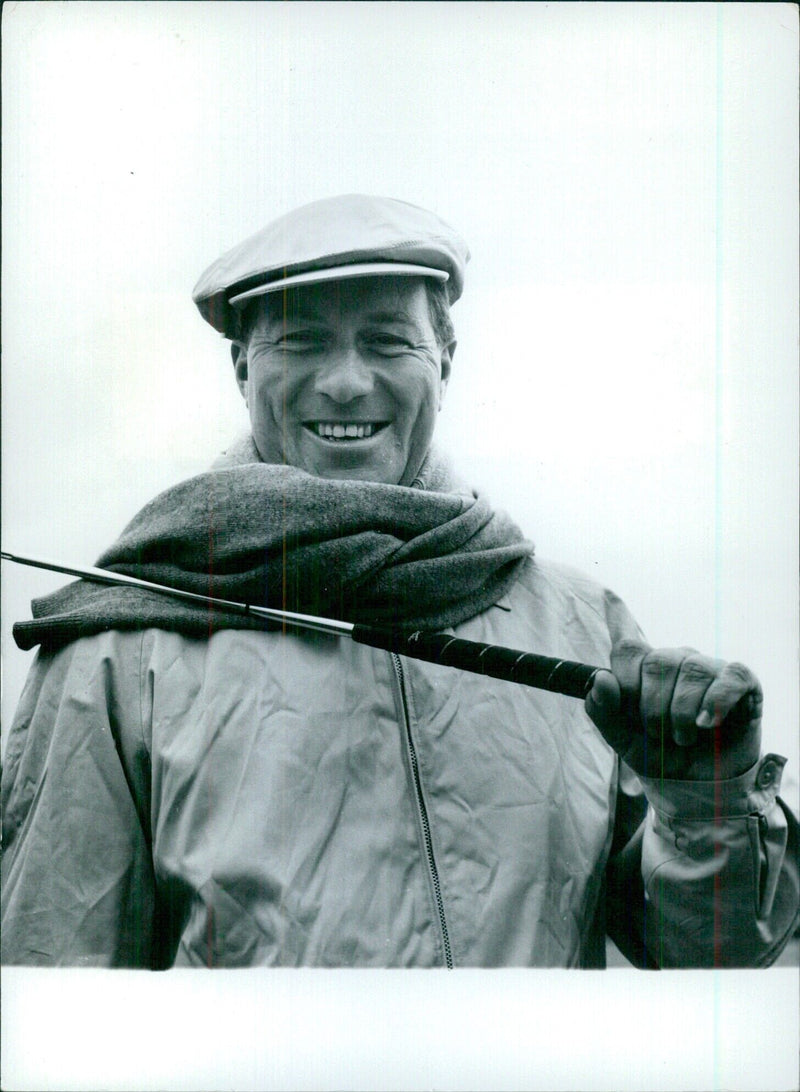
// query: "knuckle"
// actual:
[[660, 664], [694, 669], [739, 673], [629, 648]]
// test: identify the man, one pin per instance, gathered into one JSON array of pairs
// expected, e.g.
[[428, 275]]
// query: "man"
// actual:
[[184, 787]]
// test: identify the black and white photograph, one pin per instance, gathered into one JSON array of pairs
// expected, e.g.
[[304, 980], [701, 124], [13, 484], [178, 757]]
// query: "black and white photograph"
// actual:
[[400, 597]]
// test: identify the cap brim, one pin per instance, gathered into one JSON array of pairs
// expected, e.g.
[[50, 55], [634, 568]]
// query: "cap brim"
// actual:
[[339, 273]]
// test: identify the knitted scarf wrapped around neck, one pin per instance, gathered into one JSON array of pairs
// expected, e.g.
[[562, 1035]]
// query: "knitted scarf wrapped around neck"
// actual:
[[425, 557]]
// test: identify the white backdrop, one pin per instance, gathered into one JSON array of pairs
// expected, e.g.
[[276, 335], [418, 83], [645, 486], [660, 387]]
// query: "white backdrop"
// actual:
[[626, 176]]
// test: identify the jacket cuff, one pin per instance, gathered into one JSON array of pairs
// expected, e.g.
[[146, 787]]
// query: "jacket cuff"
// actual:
[[752, 793]]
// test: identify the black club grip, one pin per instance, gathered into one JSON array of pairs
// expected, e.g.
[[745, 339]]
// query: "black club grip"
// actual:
[[565, 677]]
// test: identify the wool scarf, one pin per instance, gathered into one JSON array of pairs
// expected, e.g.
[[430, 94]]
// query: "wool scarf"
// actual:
[[422, 557]]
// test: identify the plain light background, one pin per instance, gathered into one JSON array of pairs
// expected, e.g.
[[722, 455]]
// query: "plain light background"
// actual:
[[626, 377]]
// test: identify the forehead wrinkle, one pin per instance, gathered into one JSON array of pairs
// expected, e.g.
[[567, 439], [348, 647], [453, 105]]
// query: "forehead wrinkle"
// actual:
[[310, 314], [397, 315], [328, 304]]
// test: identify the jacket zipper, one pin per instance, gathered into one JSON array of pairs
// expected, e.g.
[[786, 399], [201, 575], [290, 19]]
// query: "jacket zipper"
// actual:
[[423, 813]]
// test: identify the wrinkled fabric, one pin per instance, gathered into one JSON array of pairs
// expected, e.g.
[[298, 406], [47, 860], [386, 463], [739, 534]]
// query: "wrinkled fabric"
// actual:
[[274, 536], [263, 799], [349, 229]]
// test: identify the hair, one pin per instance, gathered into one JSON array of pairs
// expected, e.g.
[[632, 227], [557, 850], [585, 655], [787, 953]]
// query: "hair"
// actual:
[[439, 308], [245, 318]]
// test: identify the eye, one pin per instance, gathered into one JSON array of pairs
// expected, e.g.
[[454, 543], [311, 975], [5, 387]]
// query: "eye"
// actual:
[[302, 341], [387, 343]]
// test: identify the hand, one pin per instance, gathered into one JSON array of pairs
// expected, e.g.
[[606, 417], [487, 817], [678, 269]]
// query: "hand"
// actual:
[[673, 713]]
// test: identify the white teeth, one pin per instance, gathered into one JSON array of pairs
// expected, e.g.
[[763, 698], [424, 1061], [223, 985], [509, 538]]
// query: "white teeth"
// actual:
[[348, 431]]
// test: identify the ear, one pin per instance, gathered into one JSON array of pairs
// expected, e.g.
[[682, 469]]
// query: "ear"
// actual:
[[239, 358], [448, 353]]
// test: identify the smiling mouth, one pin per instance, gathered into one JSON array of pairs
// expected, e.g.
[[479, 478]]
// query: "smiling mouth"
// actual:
[[342, 431]]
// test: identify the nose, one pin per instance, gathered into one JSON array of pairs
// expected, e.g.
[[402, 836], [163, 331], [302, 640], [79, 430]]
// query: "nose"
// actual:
[[344, 376]]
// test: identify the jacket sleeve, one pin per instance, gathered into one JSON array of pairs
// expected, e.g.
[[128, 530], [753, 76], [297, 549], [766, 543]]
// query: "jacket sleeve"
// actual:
[[710, 877], [77, 868], [701, 874]]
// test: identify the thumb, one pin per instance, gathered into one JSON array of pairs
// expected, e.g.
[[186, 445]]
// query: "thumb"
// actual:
[[603, 703]]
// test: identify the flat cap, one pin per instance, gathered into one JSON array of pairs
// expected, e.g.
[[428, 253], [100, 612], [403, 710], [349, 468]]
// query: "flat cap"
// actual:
[[349, 236]]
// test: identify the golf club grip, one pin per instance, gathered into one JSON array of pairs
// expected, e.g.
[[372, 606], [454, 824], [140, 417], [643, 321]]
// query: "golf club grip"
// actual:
[[574, 680]]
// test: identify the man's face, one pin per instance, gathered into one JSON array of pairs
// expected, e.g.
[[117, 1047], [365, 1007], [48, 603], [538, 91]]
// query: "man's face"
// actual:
[[344, 379]]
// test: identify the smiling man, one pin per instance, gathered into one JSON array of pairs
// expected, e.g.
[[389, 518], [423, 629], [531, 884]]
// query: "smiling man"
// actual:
[[186, 787], [344, 379]]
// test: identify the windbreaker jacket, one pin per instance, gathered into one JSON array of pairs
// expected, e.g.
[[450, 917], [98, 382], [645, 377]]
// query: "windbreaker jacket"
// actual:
[[296, 799]]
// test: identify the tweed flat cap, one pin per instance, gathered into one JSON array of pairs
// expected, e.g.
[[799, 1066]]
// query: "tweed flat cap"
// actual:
[[348, 236]]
